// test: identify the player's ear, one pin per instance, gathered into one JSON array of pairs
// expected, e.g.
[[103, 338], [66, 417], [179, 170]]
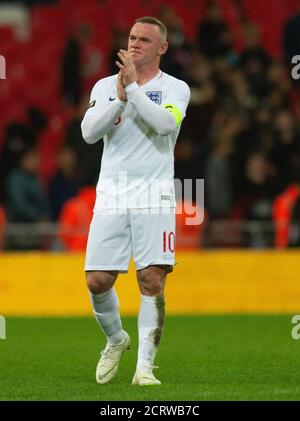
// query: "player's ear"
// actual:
[[163, 49]]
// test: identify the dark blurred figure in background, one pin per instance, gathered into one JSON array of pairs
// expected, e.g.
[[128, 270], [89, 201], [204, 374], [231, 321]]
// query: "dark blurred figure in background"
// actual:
[[255, 204], [26, 199], [285, 154], [176, 61], [2, 226], [254, 60], [89, 156], [279, 85], [66, 181], [31, 3], [258, 191], [119, 40], [218, 179], [82, 62], [18, 137], [214, 36], [291, 37], [72, 67], [186, 166], [294, 229]]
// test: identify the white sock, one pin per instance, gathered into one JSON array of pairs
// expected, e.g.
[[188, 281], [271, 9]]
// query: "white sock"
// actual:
[[150, 325], [106, 310]]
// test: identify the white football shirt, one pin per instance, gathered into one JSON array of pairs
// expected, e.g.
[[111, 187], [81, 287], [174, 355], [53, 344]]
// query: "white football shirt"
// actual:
[[137, 168]]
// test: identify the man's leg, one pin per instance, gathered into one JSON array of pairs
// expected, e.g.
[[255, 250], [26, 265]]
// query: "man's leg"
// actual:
[[106, 309], [150, 321], [106, 304], [152, 235]]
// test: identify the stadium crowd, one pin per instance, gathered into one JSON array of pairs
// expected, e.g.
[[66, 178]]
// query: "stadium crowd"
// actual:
[[241, 133]]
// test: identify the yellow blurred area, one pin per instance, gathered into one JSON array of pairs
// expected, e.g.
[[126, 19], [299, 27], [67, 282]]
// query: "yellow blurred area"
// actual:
[[202, 282]]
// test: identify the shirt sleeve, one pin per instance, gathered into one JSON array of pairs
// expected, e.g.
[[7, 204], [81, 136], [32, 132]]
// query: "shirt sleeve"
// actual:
[[165, 118], [100, 116]]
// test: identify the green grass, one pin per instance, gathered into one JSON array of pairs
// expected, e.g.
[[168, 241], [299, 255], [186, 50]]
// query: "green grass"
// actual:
[[200, 358]]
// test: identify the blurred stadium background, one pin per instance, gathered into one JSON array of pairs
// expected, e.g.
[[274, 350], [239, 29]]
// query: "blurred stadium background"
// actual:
[[241, 135]]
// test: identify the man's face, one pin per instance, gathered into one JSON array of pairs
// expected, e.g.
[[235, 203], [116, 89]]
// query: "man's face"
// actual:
[[145, 43]]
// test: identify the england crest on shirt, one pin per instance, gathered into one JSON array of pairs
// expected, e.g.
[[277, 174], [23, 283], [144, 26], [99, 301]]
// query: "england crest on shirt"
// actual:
[[155, 96]]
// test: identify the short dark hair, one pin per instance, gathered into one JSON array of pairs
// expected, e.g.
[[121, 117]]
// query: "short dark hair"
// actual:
[[153, 21]]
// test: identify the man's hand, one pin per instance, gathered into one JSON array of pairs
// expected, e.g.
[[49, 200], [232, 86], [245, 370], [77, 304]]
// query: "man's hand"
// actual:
[[127, 67], [120, 88]]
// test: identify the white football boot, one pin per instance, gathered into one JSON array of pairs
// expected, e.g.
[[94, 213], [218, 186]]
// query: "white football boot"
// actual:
[[145, 377], [109, 361]]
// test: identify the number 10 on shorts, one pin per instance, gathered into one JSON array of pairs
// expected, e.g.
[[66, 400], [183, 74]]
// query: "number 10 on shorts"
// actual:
[[168, 241]]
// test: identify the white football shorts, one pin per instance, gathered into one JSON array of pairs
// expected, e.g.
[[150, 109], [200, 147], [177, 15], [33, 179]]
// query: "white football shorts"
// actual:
[[146, 234]]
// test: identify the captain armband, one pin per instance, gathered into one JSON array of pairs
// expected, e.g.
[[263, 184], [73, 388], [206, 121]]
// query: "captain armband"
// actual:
[[177, 114]]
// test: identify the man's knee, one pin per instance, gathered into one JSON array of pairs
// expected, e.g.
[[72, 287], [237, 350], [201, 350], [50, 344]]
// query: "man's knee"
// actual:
[[152, 280], [100, 281]]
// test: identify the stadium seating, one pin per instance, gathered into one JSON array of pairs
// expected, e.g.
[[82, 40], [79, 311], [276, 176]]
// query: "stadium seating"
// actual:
[[34, 65], [270, 16]]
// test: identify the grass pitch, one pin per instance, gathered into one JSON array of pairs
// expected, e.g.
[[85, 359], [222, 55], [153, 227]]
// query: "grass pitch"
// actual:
[[200, 358]]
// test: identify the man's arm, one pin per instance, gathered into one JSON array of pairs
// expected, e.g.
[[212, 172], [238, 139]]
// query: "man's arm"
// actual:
[[162, 119], [100, 117]]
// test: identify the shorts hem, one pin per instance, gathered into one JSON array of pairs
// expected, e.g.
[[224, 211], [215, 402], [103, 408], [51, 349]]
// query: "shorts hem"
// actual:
[[155, 262], [105, 268]]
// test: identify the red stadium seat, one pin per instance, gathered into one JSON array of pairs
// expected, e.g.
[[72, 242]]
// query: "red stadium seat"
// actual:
[[124, 17], [271, 24], [80, 5], [7, 36], [48, 19]]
